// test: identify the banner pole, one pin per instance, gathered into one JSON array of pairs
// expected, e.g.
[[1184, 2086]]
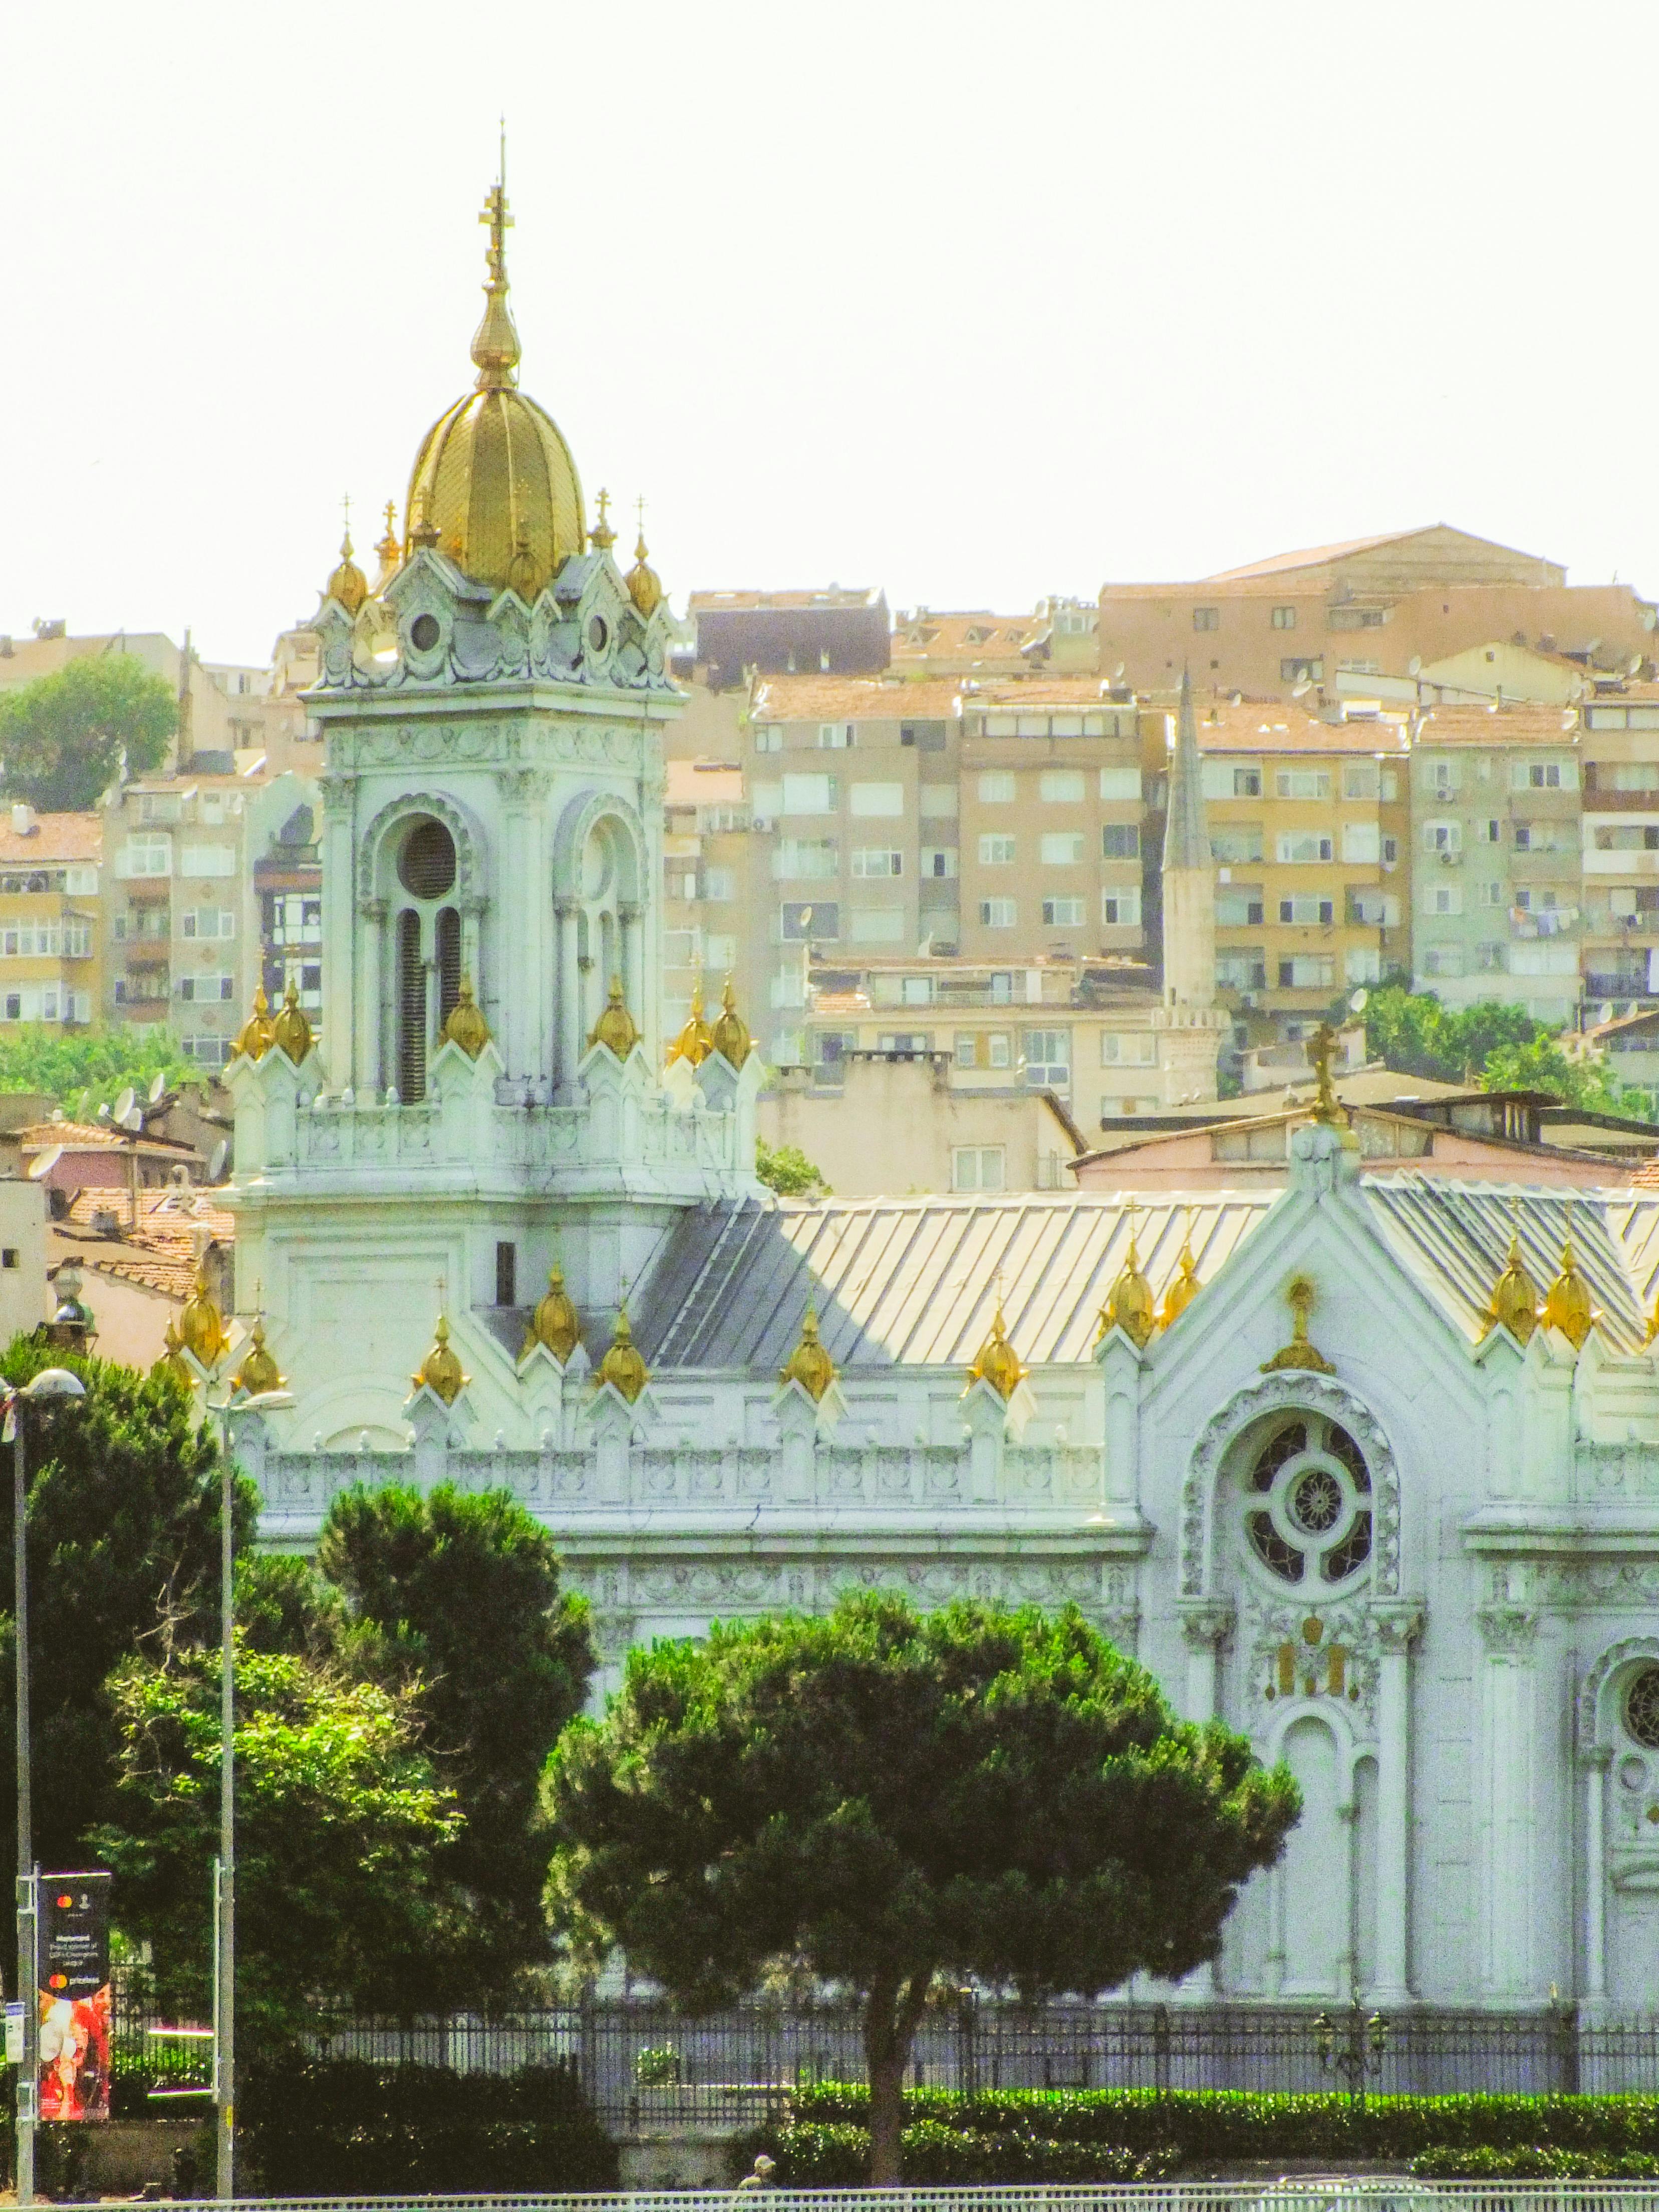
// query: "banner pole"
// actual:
[[224, 2047], [27, 1892]]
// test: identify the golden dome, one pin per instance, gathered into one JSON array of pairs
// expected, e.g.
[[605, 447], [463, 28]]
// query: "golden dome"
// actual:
[[616, 1026], [291, 1029], [644, 585], [258, 1371], [1515, 1297], [348, 584], [494, 478], [622, 1365], [255, 1036], [998, 1363], [1130, 1307], [730, 1034], [1567, 1303], [696, 1040], [201, 1329], [440, 1370], [809, 1364], [466, 1026], [554, 1322]]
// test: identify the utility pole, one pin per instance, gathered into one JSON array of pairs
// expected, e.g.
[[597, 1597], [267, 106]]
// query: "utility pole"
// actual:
[[28, 2071], [224, 2068]]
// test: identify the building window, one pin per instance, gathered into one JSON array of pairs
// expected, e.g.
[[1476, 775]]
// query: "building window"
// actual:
[[1443, 836], [1120, 841], [1128, 1049], [939, 861], [1307, 972], [996, 787], [769, 738], [1444, 898], [1235, 841], [1206, 617], [875, 798], [1641, 1707], [1062, 913], [1359, 779], [1300, 671], [1238, 906], [800, 922], [996, 852], [1302, 849], [1121, 909], [1283, 618], [809, 794], [873, 861], [506, 1274], [1440, 778], [996, 914], [411, 1009], [146, 856], [1242, 971], [1062, 786], [1301, 783], [1047, 1056], [1307, 909], [1541, 775], [807, 858], [976, 1167], [1362, 964], [1308, 1517], [836, 737], [719, 886], [1062, 849], [1118, 784]]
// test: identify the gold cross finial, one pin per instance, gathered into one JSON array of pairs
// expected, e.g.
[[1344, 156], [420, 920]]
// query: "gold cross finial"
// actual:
[[602, 535], [391, 518], [1322, 1050]]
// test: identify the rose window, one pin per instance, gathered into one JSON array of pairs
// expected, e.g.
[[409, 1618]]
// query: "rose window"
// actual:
[[1307, 1508]]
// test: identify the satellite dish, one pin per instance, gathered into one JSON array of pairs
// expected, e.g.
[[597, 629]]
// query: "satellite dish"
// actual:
[[44, 1163], [124, 1105], [1635, 667], [1414, 666], [103, 1111], [133, 1120], [158, 1091], [216, 1164], [1300, 691], [1117, 673], [1361, 1000]]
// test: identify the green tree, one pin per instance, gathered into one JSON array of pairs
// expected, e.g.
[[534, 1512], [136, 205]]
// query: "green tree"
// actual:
[[463, 1593], [884, 1797], [123, 1518], [339, 1822], [37, 1056], [786, 1170], [1540, 1065], [64, 738]]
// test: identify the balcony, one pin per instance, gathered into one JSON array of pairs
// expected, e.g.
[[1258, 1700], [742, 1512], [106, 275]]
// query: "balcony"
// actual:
[[1642, 864]]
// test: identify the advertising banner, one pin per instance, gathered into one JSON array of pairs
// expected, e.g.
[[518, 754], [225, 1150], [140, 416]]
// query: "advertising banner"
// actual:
[[75, 1996]]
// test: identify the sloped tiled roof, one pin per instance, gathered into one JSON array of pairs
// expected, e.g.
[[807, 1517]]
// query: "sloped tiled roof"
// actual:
[[1500, 725], [816, 698], [161, 1253], [54, 839]]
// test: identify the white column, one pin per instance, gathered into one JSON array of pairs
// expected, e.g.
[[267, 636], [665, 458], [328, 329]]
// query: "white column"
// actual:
[[1398, 1623], [1508, 1902], [1206, 1624], [1595, 1876]]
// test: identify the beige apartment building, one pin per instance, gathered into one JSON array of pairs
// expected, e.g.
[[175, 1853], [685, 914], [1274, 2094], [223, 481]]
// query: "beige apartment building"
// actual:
[[51, 917], [1372, 607], [1061, 637], [1619, 826]]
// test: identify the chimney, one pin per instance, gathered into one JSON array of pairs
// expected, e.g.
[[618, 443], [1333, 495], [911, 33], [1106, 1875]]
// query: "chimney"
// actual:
[[23, 823]]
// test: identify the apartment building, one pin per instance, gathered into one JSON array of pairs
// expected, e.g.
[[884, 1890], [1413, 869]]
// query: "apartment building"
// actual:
[[51, 916], [1372, 607], [1061, 637], [1496, 841], [828, 631], [1308, 823], [1619, 749], [719, 893]]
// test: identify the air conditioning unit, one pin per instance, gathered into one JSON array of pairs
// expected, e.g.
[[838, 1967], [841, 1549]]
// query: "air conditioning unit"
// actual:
[[764, 822]]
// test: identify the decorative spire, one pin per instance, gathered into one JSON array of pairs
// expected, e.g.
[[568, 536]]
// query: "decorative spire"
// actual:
[[998, 1363], [615, 1027], [496, 347], [201, 1326], [602, 537], [1186, 839], [730, 1035], [1299, 1353], [623, 1366], [440, 1370], [389, 552], [554, 1323], [1567, 1304], [291, 1031], [259, 1371], [255, 1037], [1131, 1306], [644, 585], [173, 1357], [1514, 1304], [696, 1040], [348, 584], [1322, 1050], [809, 1364], [1184, 1285], [466, 1026]]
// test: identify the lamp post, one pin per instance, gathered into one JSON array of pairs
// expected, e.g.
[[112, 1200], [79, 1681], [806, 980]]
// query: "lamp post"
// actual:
[[50, 1383], [224, 1996]]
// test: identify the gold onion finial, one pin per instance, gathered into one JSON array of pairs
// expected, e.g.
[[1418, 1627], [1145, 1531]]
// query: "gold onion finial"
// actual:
[[1130, 1305], [259, 1371], [440, 1370], [1567, 1303], [201, 1326], [258, 1032], [290, 1030], [696, 1040], [496, 349], [602, 537], [1184, 1285], [998, 1363], [644, 585], [1514, 1304], [1300, 1351], [730, 1035], [172, 1359], [554, 1323], [623, 1366], [809, 1364], [466, 1026], [615, 1027]]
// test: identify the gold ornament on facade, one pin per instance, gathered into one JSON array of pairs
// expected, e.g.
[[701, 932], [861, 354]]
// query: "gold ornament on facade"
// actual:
[[258, 1032], [644, 585], [554, 1323], [1514, 1304], [1299, 1353], [615, 1027], [466, 1026], [730, 1035], [291, 1032], [173, 1360], [1130, 1305], [1184, 1285], [201, 1326], [623, 1366], [389, 552], [440, 1370], [602, 537], [809, 1364], [1567, 1303], [259, 1371], [998, 1363], [348, 584], [696, 1040], [1322, 1050]]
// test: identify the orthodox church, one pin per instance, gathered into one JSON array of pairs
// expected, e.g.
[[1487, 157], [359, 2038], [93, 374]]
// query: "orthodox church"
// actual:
[[1367, 1467]]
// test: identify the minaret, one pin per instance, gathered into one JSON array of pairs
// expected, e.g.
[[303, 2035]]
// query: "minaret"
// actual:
[[1188, 873]]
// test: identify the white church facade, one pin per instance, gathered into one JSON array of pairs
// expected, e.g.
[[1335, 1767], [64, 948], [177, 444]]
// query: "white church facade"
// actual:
[[1313, 1457]]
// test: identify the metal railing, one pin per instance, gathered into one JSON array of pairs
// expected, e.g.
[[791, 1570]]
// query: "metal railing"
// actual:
[[1339, 2193]]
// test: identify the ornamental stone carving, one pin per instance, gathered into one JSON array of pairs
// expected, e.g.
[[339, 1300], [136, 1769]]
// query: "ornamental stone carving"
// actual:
[[470, 858]]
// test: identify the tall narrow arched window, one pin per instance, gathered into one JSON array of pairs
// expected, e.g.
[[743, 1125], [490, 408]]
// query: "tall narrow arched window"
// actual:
[[447, 943], [411, 1008]]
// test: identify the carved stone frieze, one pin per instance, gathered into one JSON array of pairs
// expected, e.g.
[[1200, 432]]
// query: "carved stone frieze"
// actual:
[[1297, 1647]]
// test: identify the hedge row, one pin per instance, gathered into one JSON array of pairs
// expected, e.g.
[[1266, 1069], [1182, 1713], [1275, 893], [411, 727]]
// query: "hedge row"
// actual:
[[1538, 2162], [333, 2127], [837, 2156]]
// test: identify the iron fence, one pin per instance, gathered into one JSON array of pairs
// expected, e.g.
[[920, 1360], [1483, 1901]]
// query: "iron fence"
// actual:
[[1336, 2194]]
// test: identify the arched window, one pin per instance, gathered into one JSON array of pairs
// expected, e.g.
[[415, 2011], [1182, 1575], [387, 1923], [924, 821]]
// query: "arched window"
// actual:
[[1308, 1505], [427, 936], [411, 1008]]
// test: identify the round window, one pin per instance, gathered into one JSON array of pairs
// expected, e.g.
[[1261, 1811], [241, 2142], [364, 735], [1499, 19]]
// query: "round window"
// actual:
[[598, 633], [1307, 1508], [427, 863], [1642, 1707], [424, 633]]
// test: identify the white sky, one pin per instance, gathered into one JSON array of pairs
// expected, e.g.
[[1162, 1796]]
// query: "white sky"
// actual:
[[974, 302]]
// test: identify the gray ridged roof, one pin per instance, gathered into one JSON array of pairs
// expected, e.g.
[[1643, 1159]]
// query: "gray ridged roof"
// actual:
[[912, 1281]]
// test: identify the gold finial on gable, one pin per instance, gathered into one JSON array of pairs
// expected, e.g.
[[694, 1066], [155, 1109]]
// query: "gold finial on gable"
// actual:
[[809, 1364], [1299, 1295]]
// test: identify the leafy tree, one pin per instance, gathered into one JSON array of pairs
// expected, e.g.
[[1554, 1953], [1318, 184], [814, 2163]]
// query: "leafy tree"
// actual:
[[786, 1170], [1491, 1045], [1540, 1065], [39, 1057], [887, 1796], [64, 737], [339, 1822], [462, 1593], [124, 1495]]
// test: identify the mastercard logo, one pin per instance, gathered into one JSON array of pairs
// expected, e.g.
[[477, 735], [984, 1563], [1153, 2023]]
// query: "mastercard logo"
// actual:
[[64, 1902], [58, 1982]]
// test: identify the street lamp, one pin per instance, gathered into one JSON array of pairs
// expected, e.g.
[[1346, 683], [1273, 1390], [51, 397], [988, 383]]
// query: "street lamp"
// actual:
[[50, 1383]]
